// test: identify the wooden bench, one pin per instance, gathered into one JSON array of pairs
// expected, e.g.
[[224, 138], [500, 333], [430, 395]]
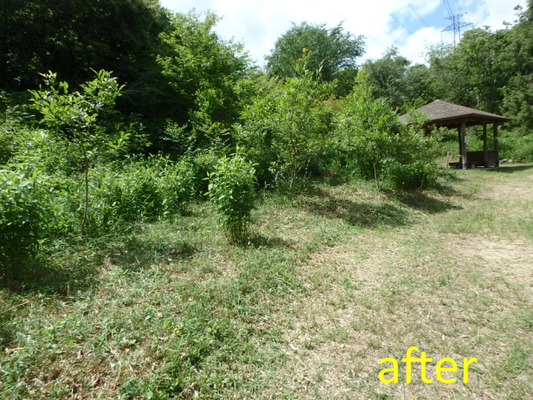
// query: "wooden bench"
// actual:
[[475, 159]]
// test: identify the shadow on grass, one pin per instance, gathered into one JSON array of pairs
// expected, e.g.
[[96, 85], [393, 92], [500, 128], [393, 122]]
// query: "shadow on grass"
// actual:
[[447, 190], [364, 214], [508, 169], [258, 240], [135, 253], [422, 202], [379, 212], [61, 277], [451, 175], [70, 267]]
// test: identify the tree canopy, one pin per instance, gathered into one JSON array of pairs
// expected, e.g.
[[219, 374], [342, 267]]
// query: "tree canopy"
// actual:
[[487, 70], [332, 50], [70, 37], [202, 69], [518, 58]]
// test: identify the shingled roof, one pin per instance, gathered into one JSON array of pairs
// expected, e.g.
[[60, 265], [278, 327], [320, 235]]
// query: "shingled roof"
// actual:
[[442, 113]]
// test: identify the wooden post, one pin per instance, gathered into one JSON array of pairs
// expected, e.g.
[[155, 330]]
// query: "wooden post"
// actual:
[[460, 140], [485, 156], [496, 146], [463, 145]]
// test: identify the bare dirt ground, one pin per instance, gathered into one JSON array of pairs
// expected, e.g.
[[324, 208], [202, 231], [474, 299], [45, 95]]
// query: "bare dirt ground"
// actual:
[[511, 260], [457, 284]]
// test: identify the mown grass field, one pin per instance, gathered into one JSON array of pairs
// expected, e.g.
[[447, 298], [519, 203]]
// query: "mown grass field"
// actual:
[[333, 281]]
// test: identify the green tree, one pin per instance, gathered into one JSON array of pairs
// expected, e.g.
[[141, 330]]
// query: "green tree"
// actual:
[[73, 36], [367, 130], [401, 84], [518, 58], [370, 136], [472, 74], [418, 86], [387, 75], [332, 51], [285, 129], [206, 73], [86, 120]]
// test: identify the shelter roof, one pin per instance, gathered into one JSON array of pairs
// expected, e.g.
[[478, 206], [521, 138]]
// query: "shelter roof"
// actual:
[[442, 113]]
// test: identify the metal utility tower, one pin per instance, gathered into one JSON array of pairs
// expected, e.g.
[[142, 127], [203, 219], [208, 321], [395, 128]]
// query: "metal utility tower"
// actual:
[[456, 26]]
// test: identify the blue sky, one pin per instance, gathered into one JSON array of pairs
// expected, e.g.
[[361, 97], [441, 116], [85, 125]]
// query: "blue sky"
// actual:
[[410, 25]]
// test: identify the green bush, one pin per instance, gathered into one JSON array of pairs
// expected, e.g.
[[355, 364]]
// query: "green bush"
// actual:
[[203, 163], [177, 185], [232, 190], [414, 165], [139, 190], [123, 197], [24, 212], [515, 147], [9, 127], [415, 175], [285, 131], [121, 193], [367, 131], [374, 145]]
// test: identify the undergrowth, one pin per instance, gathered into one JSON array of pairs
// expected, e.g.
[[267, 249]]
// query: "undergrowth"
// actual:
[[170, 309]]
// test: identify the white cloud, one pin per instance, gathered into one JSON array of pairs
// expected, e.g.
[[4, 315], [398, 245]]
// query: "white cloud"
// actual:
[[492, 13], [384, 23], [416, 45]]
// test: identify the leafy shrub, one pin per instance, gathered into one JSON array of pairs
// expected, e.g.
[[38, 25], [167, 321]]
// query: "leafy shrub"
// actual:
[[414, 165], [517, 148], [9, 126], [231, 188], [23, 218], [124, 196], [285, 130], [367, 131], [177, 185], [203, 163], [140, 190], [415, 175], [377, 146]]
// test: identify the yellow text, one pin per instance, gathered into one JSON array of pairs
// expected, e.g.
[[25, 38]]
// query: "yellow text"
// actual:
[[443, 365]]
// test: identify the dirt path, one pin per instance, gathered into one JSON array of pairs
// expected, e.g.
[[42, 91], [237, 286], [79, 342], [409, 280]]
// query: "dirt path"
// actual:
[[458, 284]]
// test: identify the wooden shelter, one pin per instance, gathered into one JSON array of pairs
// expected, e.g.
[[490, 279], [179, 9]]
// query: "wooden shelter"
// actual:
[[443, 114]]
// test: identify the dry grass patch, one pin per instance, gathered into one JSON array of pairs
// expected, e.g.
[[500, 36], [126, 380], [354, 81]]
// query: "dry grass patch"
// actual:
[[382, 291], [502, 259]]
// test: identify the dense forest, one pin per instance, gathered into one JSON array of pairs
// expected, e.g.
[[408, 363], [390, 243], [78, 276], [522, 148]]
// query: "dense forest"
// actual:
[[115, 112]]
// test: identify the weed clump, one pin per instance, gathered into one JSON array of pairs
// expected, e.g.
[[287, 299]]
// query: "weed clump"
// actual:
[[22, 219], [232, 191]]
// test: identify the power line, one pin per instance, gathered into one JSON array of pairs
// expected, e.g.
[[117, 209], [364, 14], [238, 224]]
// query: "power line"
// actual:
[[418, 15], [448, 7], [401, 24]]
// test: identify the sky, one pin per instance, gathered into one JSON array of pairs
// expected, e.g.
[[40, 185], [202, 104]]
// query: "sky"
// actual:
[[409, 25]]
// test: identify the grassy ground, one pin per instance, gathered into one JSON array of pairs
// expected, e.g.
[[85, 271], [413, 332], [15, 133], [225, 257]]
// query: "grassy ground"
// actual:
[[334, 281]]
